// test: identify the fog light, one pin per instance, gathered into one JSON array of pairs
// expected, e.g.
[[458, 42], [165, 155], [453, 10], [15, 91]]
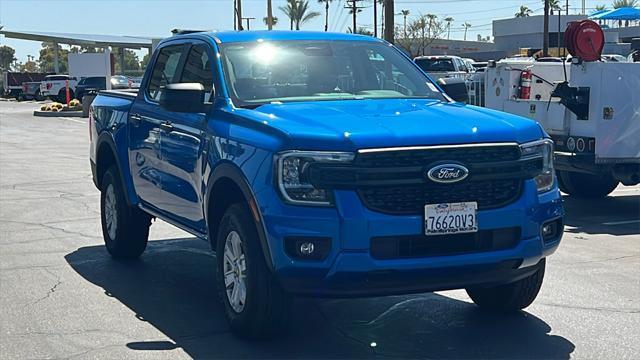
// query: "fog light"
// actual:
[[306, 248], [551, 230]]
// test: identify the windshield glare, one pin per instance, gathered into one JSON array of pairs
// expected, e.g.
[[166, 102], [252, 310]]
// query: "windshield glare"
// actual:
[[265, 72]]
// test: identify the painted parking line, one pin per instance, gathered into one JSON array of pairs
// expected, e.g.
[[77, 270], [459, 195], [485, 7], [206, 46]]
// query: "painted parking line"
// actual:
[[72, 119], [622, 222]]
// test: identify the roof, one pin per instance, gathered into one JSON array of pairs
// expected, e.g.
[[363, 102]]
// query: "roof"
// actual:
[[248, 36], [625, 13], [130, 42]]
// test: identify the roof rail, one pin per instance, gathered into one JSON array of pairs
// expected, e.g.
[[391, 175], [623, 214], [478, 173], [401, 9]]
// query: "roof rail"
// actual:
[[186, 31]]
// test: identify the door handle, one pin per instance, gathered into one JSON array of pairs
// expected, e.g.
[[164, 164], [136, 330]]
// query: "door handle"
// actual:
[[135, 118], [166, 126]]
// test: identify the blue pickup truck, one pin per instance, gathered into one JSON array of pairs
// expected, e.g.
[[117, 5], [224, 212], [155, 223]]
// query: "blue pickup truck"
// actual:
[[324, 165]]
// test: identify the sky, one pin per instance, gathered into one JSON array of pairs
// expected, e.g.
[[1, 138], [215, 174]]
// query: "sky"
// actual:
[[156, 18]]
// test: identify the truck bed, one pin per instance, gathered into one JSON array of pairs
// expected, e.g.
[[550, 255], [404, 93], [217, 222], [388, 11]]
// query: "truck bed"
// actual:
[[121, 93]]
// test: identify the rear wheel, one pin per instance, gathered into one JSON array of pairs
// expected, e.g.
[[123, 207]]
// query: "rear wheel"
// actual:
[[510, 297], [255, 304], [125, 229], [586, 185], [37, 96]]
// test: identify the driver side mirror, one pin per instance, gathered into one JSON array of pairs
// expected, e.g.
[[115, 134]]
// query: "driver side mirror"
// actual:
[[182, 97]]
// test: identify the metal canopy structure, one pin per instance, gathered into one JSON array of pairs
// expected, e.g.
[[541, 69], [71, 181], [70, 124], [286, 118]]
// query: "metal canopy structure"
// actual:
[[627, 13], [100, 41]]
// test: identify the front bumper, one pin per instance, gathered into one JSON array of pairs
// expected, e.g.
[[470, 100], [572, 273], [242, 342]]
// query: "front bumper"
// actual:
[[351, 270]]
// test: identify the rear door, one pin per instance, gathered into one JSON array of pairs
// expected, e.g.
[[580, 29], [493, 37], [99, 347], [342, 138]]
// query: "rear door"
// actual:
[[145, 121], [183, 144]]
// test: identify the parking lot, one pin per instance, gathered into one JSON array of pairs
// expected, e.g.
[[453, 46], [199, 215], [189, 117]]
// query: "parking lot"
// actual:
[[62, 296]]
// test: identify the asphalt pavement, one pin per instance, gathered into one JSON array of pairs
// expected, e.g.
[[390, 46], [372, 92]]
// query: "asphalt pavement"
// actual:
[[61, 296]]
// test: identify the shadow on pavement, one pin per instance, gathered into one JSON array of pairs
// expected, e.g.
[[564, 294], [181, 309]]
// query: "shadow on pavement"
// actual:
[[610, 215], [172, 288]]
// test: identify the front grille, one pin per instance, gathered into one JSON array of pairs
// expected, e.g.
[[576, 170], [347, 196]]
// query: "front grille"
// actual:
[[394, 181], [488, 194], [411, 246]]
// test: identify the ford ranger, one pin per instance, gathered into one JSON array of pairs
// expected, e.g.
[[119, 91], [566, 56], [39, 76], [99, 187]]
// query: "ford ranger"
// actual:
[[323, 165]]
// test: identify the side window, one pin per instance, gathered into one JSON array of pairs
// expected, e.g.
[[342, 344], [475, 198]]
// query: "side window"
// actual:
[[198, 69], [165, 69]]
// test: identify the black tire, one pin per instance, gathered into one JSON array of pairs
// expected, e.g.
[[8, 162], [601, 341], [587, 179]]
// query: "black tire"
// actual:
[[265, 311], [127, 237], [510, 297], [37, 96], [584, 185]]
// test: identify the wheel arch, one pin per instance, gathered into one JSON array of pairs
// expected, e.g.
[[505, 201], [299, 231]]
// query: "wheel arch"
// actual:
[[228, 185], [106, 156]]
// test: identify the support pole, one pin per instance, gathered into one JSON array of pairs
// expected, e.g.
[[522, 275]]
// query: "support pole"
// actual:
[[270, 16], [545, 30], [375, 18], [121, 53], [56, 58], [388, 20]]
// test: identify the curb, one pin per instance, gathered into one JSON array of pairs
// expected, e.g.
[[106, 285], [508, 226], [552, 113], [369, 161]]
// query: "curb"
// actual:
[[57, 113]]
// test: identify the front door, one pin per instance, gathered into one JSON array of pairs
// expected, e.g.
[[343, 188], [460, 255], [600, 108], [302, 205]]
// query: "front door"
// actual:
[[183, 145], [146, 120]]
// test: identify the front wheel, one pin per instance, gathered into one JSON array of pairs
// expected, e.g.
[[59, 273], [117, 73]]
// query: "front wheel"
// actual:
[[510, 297], [255, 304], [125, 229], [586, 185]]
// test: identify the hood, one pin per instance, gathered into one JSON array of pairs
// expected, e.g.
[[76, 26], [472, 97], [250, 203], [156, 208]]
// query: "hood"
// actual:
[[358, 124]]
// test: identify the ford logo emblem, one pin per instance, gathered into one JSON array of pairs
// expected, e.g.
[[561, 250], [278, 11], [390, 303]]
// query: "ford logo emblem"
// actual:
[[447, 173]]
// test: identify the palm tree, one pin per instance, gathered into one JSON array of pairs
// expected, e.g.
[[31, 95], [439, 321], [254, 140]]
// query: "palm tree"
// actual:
[[466, 26], [448, 20], [624, 3], [523, 12], [326, 13], [554, 5], [298, 12], [404, 14], [290, 10], [274, 20]]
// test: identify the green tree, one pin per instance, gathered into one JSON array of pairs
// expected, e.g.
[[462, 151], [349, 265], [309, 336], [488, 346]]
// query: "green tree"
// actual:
[[360, 30], [7, 56], [131, 61], [554, 5], [466, 27], [46, 59], [624, 3], [601, 7], [298, 12], [448, 20], [29, 66], [523, 12], [145, 60]]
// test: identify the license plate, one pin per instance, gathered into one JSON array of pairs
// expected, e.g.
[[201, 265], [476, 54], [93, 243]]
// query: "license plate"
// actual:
[[450, 218]]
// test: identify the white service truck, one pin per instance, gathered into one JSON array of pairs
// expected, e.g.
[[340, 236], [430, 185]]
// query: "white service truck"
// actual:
[[590, 109]]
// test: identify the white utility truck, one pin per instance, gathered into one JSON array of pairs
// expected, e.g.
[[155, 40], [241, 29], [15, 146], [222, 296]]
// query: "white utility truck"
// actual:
[[591, 109]]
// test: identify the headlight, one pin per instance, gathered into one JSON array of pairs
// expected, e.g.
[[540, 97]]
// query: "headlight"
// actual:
[[293, 176], [541, 148]]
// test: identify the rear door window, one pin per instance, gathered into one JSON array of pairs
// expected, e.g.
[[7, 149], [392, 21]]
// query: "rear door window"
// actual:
[[165, 70], [436, 64]]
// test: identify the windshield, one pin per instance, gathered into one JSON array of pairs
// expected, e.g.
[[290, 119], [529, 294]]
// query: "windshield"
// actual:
[[436, 65], [264, 72]]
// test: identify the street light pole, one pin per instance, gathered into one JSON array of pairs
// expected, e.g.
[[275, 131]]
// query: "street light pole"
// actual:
[[545, 32]]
